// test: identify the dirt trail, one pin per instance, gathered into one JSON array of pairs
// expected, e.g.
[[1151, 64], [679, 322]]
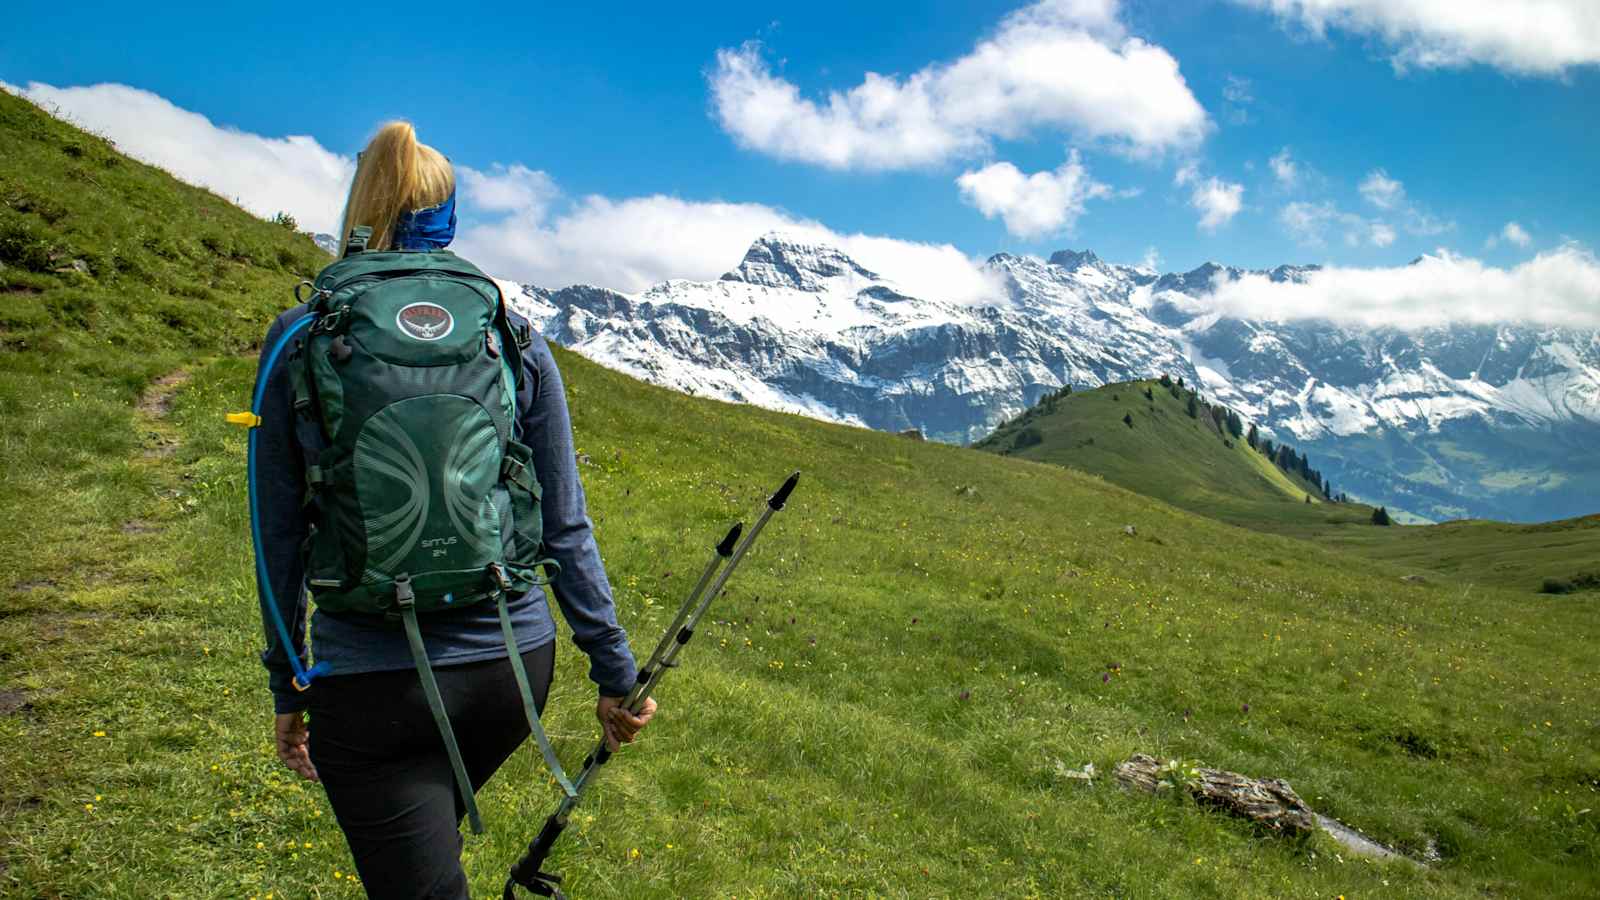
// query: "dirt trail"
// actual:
[[153, 408]]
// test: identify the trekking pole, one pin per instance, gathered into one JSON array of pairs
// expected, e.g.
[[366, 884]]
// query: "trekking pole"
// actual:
[[527, 870]]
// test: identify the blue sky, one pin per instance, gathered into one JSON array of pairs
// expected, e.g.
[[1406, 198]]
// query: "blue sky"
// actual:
[[1467, 130]]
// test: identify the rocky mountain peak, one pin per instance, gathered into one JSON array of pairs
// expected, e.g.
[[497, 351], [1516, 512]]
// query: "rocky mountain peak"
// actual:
[[782, 261], [1199, 280], [1073, 259]]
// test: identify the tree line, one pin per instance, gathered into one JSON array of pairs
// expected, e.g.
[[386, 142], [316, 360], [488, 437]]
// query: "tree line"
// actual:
[[1230, 424]]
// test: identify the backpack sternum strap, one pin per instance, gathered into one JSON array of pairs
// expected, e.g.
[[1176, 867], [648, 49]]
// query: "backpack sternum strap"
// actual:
[[406, 601]]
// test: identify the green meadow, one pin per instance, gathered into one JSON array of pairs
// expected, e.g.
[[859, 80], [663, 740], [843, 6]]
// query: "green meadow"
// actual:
[[886, 703]]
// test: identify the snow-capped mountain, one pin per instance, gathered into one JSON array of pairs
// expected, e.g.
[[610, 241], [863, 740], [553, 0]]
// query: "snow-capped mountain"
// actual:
[[1487, 421]]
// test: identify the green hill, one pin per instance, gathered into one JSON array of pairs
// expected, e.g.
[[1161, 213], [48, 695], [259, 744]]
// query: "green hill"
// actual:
[[1195, 463], [884, 705], [1161, 450]]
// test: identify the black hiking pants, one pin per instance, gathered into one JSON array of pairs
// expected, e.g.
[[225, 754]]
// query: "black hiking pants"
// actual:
[[383, 763]]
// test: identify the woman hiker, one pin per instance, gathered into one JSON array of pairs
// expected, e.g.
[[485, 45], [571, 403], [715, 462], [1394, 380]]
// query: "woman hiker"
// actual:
[[371, 740]]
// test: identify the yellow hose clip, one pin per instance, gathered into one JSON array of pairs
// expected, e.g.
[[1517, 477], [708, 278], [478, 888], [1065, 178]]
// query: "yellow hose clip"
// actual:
[[246, 419]]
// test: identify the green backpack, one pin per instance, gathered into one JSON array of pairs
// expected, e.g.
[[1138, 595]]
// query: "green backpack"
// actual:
[[425, 499]]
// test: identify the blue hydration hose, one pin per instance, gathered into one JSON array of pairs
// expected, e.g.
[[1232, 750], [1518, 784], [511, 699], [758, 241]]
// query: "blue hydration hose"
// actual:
[[302, 676]]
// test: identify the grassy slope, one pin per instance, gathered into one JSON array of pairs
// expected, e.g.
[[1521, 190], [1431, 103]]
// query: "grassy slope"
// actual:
[[1184, 461], [1196, 469], [881, 707]]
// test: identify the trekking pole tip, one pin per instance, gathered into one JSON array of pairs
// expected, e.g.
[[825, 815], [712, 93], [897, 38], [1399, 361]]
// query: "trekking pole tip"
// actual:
[[725, 549], [782, 496]]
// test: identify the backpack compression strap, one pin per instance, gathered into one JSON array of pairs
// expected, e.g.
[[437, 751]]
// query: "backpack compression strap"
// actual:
[[406, 600], [528, 707]]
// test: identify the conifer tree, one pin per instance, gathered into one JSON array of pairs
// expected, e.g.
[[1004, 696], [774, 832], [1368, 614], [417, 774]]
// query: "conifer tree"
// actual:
[[1194, 408], [1127, 419], [1380, 516], [1254, 437]]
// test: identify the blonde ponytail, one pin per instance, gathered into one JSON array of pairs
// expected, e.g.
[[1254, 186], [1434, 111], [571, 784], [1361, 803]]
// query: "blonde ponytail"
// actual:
[[394, 175]]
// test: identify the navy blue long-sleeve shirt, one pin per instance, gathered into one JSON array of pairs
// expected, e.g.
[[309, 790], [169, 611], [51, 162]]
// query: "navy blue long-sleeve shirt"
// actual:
[[285, 445]]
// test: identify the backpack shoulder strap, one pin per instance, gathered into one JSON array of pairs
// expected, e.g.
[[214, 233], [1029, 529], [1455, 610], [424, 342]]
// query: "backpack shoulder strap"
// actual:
[[359, 236], [517, 338]]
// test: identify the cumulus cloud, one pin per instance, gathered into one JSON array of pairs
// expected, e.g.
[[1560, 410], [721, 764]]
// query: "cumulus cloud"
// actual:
[[1285, 169], [1534, 37], [265, 175], [630, 244], [1216, 200], [1437, 289], [1064, 65], [1516, 234], [507, 211], [513, 188], [1382, 191], [1031, 205]]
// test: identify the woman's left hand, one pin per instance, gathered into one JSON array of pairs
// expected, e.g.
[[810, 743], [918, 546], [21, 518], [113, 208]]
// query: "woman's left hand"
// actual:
[[290, 733], [621, 726]]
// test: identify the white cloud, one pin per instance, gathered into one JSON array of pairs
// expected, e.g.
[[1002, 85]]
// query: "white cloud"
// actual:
[[507, 225], [1285, 169], [1056, 65], [1516, 234], [508, 189], [1536, 37], [1382, 191], [630, 244], [1031, 205], [1306, 221], [1216, 200], [1389, 195], [266, 175], [1151, 259], [1438, 289], [1309, 223]]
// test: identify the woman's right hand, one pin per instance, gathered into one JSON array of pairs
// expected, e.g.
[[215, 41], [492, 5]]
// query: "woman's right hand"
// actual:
[[621, 726]]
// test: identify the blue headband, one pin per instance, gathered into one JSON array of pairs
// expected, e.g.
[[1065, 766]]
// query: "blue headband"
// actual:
[[427, 229]]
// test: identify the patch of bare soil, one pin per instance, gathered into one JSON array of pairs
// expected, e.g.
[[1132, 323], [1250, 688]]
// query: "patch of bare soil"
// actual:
[[12, 701], [154, 405]]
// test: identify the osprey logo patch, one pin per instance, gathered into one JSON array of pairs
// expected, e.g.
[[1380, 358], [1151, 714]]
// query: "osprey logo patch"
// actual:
[[425, 321]]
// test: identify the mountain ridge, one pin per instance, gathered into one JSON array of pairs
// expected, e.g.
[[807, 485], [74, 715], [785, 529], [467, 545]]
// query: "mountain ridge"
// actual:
[[1451, 421]]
